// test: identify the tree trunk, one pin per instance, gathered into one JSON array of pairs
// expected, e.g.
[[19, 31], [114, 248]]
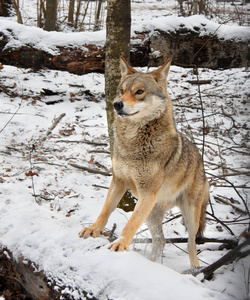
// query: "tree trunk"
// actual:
[[40, 12], [97, 15], [117, 44], [77, 12], [50, 16], [71, 12], [16, 7], [181, 7]]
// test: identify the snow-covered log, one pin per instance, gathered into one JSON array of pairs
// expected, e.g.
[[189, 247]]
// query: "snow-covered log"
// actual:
[[188, 41]]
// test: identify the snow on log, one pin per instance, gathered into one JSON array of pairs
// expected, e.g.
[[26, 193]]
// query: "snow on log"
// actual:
[[188, 41]]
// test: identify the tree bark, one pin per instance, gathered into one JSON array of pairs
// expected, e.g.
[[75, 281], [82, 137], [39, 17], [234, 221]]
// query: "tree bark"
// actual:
[[50, 16], [117, 44], [97, 16], [71, 12], [40, 12], [16, 7], [77, 13]]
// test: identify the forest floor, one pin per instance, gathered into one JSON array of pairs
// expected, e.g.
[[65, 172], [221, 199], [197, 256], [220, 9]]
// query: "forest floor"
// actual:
[[46, 198], [55, 171]]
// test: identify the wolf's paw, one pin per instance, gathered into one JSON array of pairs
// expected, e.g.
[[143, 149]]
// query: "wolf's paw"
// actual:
[[193, 271], [90, 231], [119, 245]]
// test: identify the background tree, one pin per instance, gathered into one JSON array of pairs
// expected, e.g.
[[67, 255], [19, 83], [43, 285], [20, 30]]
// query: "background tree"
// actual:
[[118, 25], [40, 12], [71, 12], [50, 15], [97, 15], [15, 4], [78, 9]]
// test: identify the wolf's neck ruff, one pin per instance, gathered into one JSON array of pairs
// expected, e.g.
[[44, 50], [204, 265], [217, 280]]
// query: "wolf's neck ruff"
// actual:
[[144, 135]]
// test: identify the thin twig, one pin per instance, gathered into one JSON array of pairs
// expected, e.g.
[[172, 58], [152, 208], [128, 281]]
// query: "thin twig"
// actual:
[[19, 106], [100, 186], [234, 206], [235, 189], [90, 170], [84, 142], [221, 222], [31, 175], [202, 114], [55, 122], [231, 174]]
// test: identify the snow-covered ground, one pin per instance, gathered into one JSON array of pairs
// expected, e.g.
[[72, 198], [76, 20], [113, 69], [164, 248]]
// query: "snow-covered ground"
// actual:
[[45, 200], [44, 228]]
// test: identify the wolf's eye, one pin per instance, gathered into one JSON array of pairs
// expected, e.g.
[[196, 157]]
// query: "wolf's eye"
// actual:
[[139, 92], [121, 91]]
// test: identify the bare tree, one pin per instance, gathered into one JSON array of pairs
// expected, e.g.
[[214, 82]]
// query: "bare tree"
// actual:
[[71, 12], [77, 12], [118, 25], [15, 3], [50, 15], [40, 12], [97, 15]]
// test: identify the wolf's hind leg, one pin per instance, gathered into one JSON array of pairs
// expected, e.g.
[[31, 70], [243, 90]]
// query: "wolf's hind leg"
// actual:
[[154, 223], [191, 217]]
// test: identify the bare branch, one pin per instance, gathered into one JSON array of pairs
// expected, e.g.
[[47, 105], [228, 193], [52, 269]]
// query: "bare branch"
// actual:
[[90, 170], [19, 106], [56, 121], [234, 206], [232, 255]]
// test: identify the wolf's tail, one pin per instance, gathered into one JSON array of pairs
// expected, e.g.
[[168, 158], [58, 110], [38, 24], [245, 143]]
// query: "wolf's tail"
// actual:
[[203, 212]]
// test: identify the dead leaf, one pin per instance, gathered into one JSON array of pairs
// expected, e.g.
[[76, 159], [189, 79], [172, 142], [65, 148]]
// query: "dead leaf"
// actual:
[[30, 173]]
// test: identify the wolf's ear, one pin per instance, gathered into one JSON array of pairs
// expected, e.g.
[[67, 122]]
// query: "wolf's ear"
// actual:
[[161, 74], [126, 69]]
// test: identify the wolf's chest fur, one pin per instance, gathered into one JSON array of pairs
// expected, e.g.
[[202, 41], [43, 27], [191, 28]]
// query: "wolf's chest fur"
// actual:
[[144, 142], [142, 152]]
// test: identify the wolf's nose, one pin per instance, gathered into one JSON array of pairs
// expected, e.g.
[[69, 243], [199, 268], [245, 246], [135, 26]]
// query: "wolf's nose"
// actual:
[[118, 105]]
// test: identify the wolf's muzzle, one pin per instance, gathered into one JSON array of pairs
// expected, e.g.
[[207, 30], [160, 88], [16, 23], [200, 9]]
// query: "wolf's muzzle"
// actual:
[[118, 106]]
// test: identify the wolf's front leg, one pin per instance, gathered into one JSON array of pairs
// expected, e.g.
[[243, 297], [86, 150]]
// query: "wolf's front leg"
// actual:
[[115, 192], [142, 209]]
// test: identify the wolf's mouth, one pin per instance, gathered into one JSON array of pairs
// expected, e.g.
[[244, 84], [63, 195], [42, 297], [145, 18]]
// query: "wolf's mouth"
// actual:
[[124, 115]]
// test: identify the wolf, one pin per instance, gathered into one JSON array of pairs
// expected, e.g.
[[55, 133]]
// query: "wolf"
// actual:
[[152, 159]]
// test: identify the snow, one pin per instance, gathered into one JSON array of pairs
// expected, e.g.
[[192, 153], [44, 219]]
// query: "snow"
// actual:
[[20, 35], [48, 240], [194, 23], [45, 229], [42, 215]]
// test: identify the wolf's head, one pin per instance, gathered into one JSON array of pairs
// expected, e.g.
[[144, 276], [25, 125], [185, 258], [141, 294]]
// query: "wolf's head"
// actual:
[[141, 96]]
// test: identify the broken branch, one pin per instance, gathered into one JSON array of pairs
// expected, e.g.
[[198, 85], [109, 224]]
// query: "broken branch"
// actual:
[[90, 170], [232, 255], [56, 121], [199, 241]]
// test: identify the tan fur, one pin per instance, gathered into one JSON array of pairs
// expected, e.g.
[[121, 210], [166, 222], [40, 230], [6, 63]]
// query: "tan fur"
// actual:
[[155, 161]]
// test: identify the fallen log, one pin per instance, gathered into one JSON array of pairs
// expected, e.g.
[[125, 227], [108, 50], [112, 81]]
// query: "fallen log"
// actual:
[[185, 47], [19, 279]]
